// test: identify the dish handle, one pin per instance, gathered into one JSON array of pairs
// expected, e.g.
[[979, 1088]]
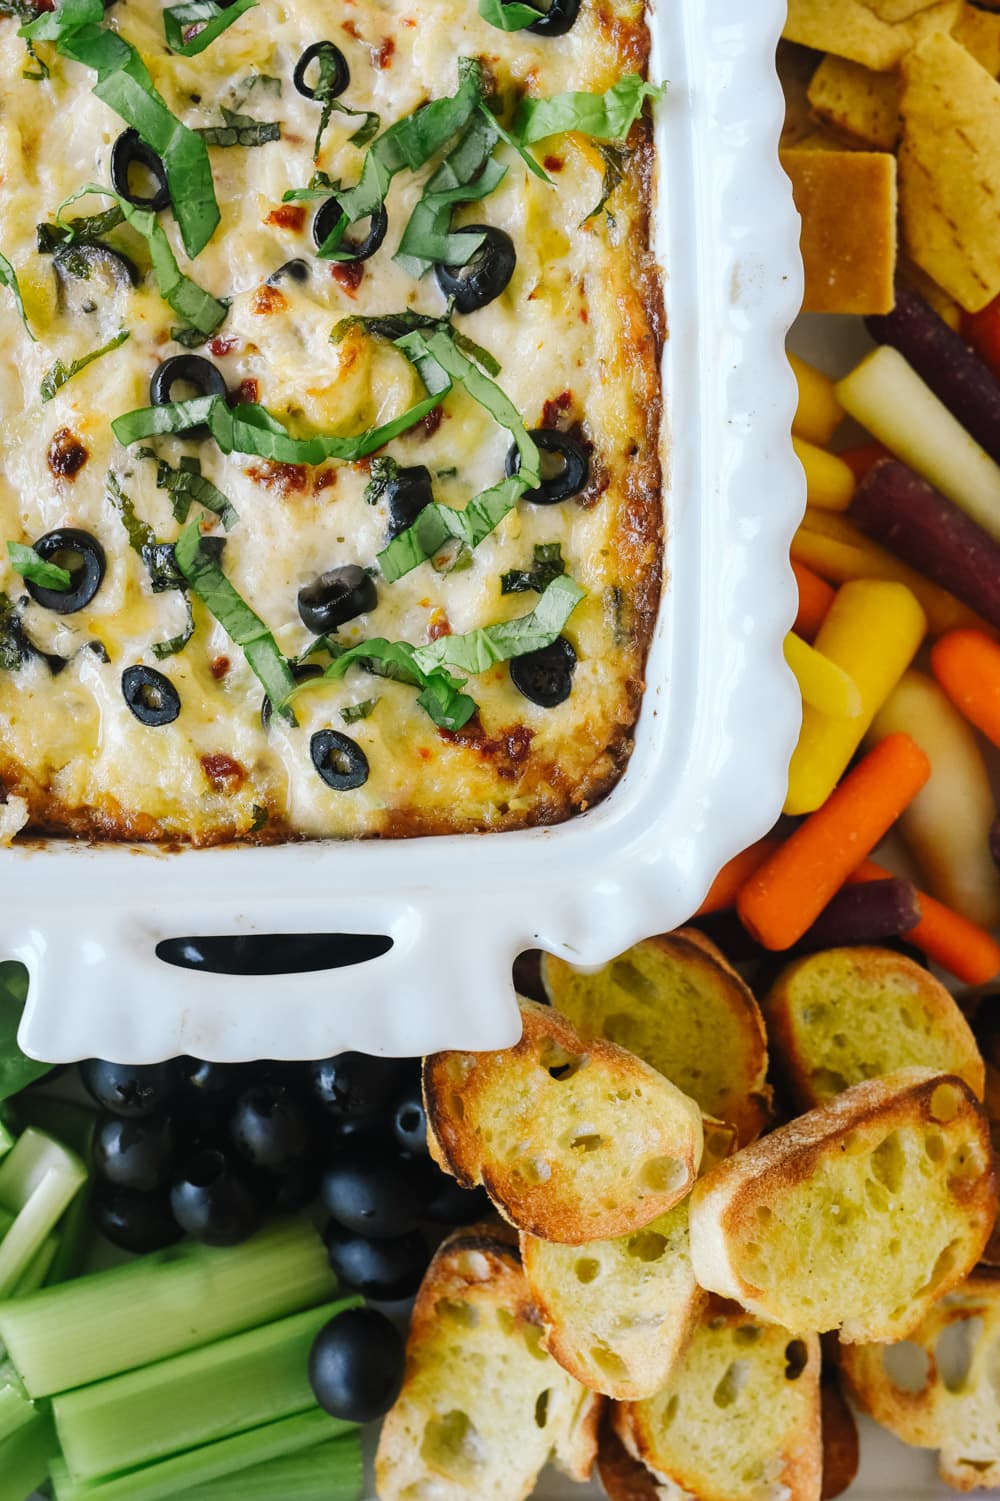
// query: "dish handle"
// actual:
[[397, 983]]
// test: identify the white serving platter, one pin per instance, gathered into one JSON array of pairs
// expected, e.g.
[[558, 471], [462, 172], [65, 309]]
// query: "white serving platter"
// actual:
[[720, 718]]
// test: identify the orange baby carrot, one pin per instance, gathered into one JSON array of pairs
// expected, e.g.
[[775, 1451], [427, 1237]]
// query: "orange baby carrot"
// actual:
[[815, 598], [967, 665], [859, 460], [735, 873], [962, 947], [789, 891]]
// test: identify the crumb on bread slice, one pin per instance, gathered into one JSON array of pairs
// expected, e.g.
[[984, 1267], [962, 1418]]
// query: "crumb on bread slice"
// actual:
[[856, 1216], [574, 1141], [739, 1418], [938, 1390], [849, 1014], [483, 1407], [677, 1003]]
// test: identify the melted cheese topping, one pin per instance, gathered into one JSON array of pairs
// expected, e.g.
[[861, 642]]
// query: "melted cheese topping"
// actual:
[[572, 332]]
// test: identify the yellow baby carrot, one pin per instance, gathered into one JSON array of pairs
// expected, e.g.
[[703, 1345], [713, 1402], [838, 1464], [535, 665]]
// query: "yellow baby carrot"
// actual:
[[823, 684], [872, 631], [819, 412], [829, 481]]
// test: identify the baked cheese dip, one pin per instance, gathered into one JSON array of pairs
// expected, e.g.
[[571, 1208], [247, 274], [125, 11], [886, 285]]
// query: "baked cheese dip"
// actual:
[[329, 415]]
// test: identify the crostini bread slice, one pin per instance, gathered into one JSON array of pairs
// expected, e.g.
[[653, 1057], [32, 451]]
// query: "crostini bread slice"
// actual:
[[483, 1407], [675, 1002], [849, 1014], [939, 1389], [739, 1418], [856, 1216], [573, 1141]]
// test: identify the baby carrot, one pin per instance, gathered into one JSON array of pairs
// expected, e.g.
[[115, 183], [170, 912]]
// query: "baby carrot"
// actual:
[[735, 873], [961, 947], [872, 631], [967, 665], [830, 483], [819, 413], [824, 686], [789, 891], [815, 598], [859, 460]]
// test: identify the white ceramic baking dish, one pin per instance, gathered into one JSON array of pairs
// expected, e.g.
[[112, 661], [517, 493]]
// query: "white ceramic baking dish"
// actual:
[[716, 732]]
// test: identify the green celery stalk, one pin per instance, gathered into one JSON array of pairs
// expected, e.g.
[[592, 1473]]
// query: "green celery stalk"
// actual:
[[6, 1220], [76, 1236], [330, 1472], [194, 1399], [7, 1140], [38, 1181], [25, 1458], [16, 1407], [182, 1471], [36, 1272], [161, 1305]]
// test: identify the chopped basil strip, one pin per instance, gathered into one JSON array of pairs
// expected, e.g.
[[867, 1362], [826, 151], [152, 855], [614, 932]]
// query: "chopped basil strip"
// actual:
[[353, 712], [15, 648], [26, 562], [187, 484], [260, 818], [467, 175], [321, 185], [614, 174], [548, 565], [140, 533], [440, 696], [324, 94], [534, 167], [26, 12], [509, 17], [255, 83], [60, 373], [8, 279], [410, 143], [478, 650], [322, 643], [381, 476], [252, 430], [52, 237], [240, 130], [160, 560], [437, 525], [604, 117], [231, 610], [192, 27], [175, 644], [393, 326], [124, 85]]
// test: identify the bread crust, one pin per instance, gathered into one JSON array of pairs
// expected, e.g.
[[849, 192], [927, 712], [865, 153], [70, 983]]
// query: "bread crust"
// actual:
[[725, 1204], [571, 1175]]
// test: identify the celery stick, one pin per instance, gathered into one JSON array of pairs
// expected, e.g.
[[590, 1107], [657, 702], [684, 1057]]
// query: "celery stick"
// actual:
[[330, 1472], [68, 1122], [240, 1383], [37, 1270], [38, 1181], [76, 1236], [6, 1140], [182, 1471], [161, 1305], [6, 1220], [25, 1458], [16, 1407]]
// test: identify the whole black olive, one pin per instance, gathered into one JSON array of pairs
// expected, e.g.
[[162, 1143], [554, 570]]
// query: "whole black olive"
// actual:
[[406, 495], [130, 151], [341, 72], [193, 370], [339, 760], [134, 1154], [356, 1365], [295, 270], [328, 218], [557, 20], [337, 596], [211, 1201], [129, 1090], [152, 697], [207, 1081], [386, 1269], [301, 672], [354, 1086], [568, 479], [409, 1121], [378, 1191], [134, 1221], [290, 1191], [89, 276], [268, 1127], [83, 557], [545, 676], [485, 275]]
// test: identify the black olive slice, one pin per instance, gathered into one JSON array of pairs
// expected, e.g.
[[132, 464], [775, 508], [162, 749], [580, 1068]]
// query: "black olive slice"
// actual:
[[194, 370], [339, 760], [130, 151], [482, 278], [341, 72], [545, 676], [336, 597], [352, 250], [301, 672], [83, 557], [152, 697], [557, 20], [568, 480], [406, 494], [88, 275], [296, 270]]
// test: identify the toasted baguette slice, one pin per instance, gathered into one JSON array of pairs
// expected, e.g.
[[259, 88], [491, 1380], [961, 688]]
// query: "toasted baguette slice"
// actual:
[[483, 1407], [675, 1002], [845, 1015], [573, 1141], [856, 1216], [939, 1390], [739, 1418]]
